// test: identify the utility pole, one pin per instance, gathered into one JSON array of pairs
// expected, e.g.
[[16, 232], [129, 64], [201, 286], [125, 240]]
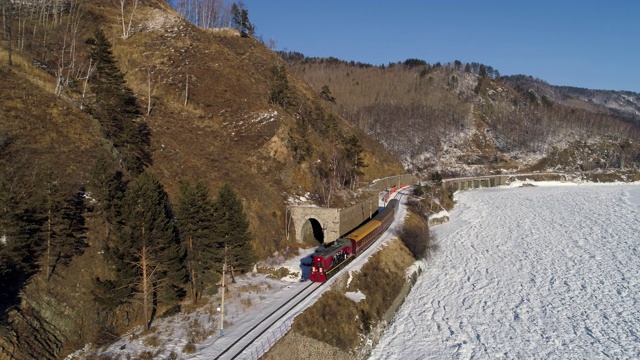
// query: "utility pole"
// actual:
[[224, 268]]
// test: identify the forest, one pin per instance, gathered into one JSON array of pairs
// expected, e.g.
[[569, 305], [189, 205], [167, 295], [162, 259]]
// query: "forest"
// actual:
[[468, 108]]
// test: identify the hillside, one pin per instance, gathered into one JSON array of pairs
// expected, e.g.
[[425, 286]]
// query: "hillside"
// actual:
[[205, 100], [623, 104], [450, 118]]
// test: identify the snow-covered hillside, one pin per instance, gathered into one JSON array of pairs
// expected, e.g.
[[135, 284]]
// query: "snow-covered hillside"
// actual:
[[532, 272]]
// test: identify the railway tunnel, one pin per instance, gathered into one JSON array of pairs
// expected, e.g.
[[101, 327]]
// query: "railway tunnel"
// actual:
[[318, 225], [313, 225], [312, 230]]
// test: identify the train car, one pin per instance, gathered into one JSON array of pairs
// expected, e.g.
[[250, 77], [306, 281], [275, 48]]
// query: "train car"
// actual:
[[333, 258], [330, 260], [362, 237], [387, 215]]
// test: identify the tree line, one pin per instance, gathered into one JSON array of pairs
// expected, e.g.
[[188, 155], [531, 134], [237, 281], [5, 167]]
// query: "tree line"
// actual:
[[156, 253], [410, 63], [216, 14]]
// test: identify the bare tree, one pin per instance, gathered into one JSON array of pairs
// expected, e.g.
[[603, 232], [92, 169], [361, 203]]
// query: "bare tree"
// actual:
[[186, 89], [150, 89], [333, 173], [7, 17], [126, 29], [148, 267], [205, 13]]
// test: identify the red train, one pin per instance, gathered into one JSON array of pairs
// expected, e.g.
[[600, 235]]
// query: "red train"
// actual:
[[342, 251]]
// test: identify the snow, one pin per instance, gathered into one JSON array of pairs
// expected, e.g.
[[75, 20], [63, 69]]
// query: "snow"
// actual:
[[528, 272], [355, 296]]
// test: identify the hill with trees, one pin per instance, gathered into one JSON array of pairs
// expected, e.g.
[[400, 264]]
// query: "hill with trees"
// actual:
[[137, 152], [622, 104], [465, 119]]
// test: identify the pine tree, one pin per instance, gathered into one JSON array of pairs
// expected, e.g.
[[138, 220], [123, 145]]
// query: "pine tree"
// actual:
[[57, 222], [353, 149], [18, 227], [64, 229], [325, 94], [194, 218], [281, 93], [148, 245], [231, 229], [240, 18], [107, 188], [72, 229], [115, 106]]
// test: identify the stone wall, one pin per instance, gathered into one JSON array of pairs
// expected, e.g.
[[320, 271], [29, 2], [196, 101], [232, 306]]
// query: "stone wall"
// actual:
[[357, 214], [388, 182]]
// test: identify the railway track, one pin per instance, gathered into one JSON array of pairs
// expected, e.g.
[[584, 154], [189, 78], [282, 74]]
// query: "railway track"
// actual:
[[253, 335], [249, 337]]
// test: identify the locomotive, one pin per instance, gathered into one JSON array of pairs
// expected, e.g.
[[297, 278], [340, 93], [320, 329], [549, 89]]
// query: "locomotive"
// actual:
[[342, 251]]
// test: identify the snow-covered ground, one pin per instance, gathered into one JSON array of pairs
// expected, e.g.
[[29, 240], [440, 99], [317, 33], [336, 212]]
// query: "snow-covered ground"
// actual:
[[531, 272]]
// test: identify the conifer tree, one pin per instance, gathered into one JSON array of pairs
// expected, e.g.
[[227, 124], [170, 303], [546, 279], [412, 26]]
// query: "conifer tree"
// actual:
[[353, 149], [18, 227], [63, 228], [114, 105], [232, 230], [194, 218], [148, 246], [56, 223], [240, 18], [107, 187], [281, 93]]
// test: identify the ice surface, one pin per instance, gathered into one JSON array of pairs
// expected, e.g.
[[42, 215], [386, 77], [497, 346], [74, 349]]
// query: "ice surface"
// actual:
[[532, 272]]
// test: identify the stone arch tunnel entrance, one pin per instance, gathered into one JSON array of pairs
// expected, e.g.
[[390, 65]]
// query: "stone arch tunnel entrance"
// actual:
[[313, 224], [312, 232]]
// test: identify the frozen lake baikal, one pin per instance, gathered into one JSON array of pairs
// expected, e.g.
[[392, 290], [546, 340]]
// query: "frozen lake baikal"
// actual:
[[533, 272]]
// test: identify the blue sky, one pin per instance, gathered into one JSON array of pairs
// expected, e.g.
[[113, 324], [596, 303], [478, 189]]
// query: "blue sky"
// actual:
[[587, 43]]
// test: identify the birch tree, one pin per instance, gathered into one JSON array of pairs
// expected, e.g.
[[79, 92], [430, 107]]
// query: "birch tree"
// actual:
[[126, 23]]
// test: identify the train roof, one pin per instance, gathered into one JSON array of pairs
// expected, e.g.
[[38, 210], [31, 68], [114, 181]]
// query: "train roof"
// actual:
[[333, 248], [363, 230], [393, 203]]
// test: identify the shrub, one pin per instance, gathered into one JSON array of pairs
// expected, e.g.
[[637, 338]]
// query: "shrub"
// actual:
[[190, 348], [417, 238], [152, 341]]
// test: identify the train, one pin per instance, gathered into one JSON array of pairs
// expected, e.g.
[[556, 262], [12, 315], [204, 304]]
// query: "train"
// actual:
[[341, 252]]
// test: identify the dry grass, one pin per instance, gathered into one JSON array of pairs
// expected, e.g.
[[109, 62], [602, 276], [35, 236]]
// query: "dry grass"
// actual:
[[25, 68], [334, 320], [152, 341]]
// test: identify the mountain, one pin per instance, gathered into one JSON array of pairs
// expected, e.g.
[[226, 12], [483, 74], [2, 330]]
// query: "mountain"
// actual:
[[180, 102], [464, 119], [622, 104]]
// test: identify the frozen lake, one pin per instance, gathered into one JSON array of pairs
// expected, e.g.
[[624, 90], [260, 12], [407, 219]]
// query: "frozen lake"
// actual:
[[534, 272]]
